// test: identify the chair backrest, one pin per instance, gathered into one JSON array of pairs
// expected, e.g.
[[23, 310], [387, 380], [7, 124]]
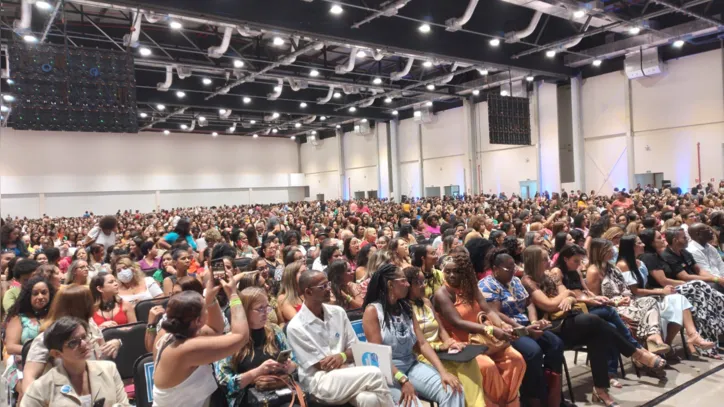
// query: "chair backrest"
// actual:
[[144, 307], [24, 354], [132, 336], [143, 380], [355, 317]]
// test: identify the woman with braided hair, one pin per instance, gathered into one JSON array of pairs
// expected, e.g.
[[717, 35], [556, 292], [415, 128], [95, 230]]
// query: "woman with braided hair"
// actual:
[[459, 302]]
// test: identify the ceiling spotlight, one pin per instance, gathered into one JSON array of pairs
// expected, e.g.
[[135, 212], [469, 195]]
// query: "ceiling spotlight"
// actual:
[[275, 115], [231, 129], [428, 104], [303, 105], [246, 99], [427, 64], [430, 87], [529, 78], [377, 81], [597, 62], [364, 120], [278, 41], [337, 95], [314, 73], [214, 134], [352, 109], [483, 71], [579, 14], [202, 118], [175, 25], [550, 53], [180, 94], [336, 9], [30, 38], [184, 127], [323, 118], [255, 136], [166, 132], [476, 92], [43, 5], [361, 54], [503, 93], [161, 107], [8, 98], [297, 125], [494, 42], [634, 30], [388, 100], [144, 52], [238, 63], [10, 81], [143, 115], [222, 111], [338, 127], [417, 113], [395, 112], [424, 28], [294, 138], [678, 43], [314, 132], [356, 127], [206, 81], [4, 108], [277, 89], [275, 131], [252, 121]]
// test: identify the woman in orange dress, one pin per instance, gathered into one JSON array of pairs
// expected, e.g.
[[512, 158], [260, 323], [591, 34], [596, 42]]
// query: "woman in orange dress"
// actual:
[[459, 302]]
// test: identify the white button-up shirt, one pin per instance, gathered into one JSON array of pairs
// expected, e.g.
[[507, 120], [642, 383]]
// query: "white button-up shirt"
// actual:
[[313, 339], [707, 258]]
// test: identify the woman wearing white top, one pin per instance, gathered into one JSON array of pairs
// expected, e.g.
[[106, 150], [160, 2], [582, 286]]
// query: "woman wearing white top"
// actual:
[[135, 286], [103, 234], [183, 355]]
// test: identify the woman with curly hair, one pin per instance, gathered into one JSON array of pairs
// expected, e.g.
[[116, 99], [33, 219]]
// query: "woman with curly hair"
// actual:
[[459, 302]]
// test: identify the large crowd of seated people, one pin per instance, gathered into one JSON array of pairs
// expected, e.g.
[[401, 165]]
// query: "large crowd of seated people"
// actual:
[[245, 297]]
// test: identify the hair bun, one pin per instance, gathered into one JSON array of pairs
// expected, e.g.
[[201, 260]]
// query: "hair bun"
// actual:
[[172, 325]]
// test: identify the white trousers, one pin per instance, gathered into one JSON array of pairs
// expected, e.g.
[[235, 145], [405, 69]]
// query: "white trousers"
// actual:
[[363, 386]]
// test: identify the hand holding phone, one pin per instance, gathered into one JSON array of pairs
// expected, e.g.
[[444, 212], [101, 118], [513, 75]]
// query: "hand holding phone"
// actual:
[[284, 356]]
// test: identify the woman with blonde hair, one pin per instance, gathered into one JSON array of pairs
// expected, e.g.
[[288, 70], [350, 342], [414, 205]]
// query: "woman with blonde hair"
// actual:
[[634, 228], [289, 301], [399, 252], [258, 357], [670, 223], [377, 259], [135, 286], [77, 273]]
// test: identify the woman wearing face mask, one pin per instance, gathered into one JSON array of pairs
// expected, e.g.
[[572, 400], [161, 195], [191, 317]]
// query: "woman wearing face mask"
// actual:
[[111, 309], [23, 322], [135, 286], [76, 379], [180, 262]]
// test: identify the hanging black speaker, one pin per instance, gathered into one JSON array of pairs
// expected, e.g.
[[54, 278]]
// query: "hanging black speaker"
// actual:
[[509, 120]]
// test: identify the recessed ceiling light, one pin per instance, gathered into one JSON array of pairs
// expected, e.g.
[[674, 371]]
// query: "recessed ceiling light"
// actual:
[[206, 81], [352, 109], [143, 115], [579, 14], [476, 92], [3, 108], [161, 107], [483, 71], [388, 100], [275, 131], [202, 118], [336, 9], [424, 28], [184, 127], [377, 81], [361, 54], [550, 53], [430, 87], [43, 5], [364, 120], [30, 38], [166, 132], [180, 94], [294, 138], [634, 30], [222, 111], [278, 41], [597, 62], [314, 132], [246, 99], [231, 129], [314, 73], [252, 121], [255, 136], [356, 127], [323, 118], [303, 105], [8, 98], [427, 64], [395, 112], [529, 78], [144, 52], [428, 104], [214, 134], [503, 93], [277, 89], [297, 125], [275, 115], [10, 81], [338, 127], [417, 113], [678, 43], [494, 42], [175, 25], [238, 63], [337, 95]]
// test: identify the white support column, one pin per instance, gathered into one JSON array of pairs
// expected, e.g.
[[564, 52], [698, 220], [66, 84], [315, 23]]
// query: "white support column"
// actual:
[[579, 155], [158, 200], [41, 204], [394, 154], [420, 166], [343, 187], [629, 134], [470, 113], [548, 148], [537, 135], [383, 160]]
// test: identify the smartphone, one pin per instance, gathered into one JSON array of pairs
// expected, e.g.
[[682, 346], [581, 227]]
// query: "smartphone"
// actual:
[[520, 331], [284, 356], [218, 272]]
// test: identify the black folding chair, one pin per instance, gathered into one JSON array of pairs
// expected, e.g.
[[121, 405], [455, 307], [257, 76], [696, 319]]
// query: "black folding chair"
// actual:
[[355, 314], [144, 307], [143, 380], [132, 336]]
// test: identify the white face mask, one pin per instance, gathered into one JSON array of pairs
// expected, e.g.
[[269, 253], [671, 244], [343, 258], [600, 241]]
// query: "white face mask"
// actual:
[[125, 276]]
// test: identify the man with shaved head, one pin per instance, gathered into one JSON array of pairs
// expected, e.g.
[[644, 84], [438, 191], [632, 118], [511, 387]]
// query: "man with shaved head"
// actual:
[[681, 264], [321, 337], [705, 254]]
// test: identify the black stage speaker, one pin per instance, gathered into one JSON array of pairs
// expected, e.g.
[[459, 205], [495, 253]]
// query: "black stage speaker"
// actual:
[[509, 120], [72, 89]]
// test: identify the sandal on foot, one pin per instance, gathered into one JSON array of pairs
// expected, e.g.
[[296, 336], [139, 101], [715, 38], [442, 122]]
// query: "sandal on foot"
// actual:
[[615, 383], [597, 399], [650, 360]]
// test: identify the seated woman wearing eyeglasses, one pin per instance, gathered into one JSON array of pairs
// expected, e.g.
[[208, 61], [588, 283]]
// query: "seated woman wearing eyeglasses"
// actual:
[[259, 356], [76, 380]]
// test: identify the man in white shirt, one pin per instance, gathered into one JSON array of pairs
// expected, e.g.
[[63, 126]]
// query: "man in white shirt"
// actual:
[[321, 337], [706, 255]]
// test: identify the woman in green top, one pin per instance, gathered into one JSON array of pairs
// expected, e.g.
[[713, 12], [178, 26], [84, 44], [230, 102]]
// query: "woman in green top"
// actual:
[[424, 257]]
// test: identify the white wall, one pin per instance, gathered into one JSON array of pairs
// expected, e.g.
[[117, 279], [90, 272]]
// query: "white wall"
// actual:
[[443, 150], [320, 165], [360, 162], [67, 173]]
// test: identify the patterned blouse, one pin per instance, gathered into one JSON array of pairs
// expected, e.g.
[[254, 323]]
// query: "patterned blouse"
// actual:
[[512, 298]]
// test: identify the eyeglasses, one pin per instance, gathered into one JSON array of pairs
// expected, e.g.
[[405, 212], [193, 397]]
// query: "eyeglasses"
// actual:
[[325, 286], [74, 343], [264, 310], [420, 281]]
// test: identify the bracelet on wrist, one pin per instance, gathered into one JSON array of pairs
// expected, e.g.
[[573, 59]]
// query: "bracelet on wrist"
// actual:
[[234, 302], [344, 357]]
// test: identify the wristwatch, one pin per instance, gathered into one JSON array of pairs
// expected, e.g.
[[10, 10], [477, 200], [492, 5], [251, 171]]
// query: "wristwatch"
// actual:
[[403, 380]]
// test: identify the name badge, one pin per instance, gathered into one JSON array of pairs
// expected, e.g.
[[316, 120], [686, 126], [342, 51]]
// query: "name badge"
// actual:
[[65, 389]]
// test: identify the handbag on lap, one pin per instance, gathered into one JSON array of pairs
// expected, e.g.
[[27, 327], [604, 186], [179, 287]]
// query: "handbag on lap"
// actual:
[[493, 344]]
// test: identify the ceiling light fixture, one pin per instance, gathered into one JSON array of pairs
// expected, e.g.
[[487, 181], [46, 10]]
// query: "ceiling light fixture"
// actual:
[[246, 99], [427, 64], [550, 53], [503, 93], [634, 30], [255, 136], [352, 109], [336, 9], [494, 42], [323, 118], [275, 131], [395, 112], [597, 62], [180, 94], [361, 54], [377, 81], [161, 107], [166, 132], [222, 111], [238, 63], [43, 5], [297, 125], [184, 127], [175, 25], [314, 73], [430, 87], [678, 43], [143, 115], [476, 92], [338, 127], [206, 81], [303, 105], [252, 121], [4, 108], [30, 38], [530, 78], [214, 134], [8, 98], [202, 118], [388, 100], [424, 28], [579, 14], [144, 52], [278, 41], [337, 95], [277, 89], [364, 120], [428, 104], [314, 132], [417, 113], [10, 81], [483, 71], [294, 137], [275, 115]]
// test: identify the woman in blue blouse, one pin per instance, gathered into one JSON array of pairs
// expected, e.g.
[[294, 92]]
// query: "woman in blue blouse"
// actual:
[[542, 350], [182, 231], [237, 373]]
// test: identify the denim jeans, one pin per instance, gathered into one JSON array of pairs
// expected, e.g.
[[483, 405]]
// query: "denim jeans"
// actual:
[[546, 351], [610, 315], [428, 384]]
